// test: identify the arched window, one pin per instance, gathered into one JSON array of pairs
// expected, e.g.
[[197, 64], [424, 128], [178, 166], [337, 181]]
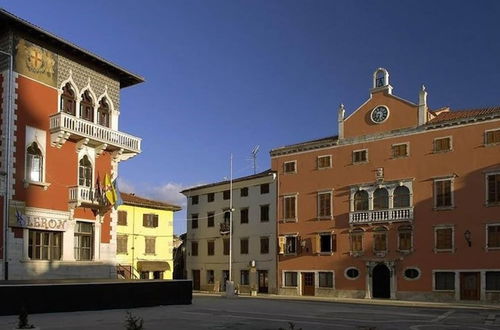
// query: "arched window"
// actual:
[[401, 197], [380, 239], [68, 100], [87, 107], [85, 172], [380, 199], [361, 200], [103, 113], [34, 163]]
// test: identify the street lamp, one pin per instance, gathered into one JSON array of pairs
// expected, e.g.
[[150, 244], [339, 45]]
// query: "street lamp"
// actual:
[[7, 164]]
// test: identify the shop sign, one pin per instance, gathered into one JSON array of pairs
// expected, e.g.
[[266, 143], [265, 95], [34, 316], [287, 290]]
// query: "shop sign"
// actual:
[[39, 222]]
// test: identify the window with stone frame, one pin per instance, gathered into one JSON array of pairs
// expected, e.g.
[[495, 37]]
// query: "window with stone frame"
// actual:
[[150, 243], [85, 172], [264, 245], [399, 150], [194, 248], [68, 100], [493, 236], [493, 281], [325, 204], [401, 197], [380, 199], [405, 238], [290, 167], [361, 200], [444, 238], [442, 144], [325, 279], [324, 162], [122, 218], [360, 156], [243, 245], [444, 281], [210, 248], [121, 244], [210, 219], [34, 163], [103, 113], [244, 215], [290, 203], [44, 245], [326, 243], [493, 188], [291, 279], [357, 240], [291, 245], [87, 107], [84, 241], [492, 137], [443, 197], [380, 239]]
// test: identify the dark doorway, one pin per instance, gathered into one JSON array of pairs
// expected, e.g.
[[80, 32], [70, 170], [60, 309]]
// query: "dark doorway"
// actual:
[[381, 277], [308, 284], [263, 281], [225, 278], [469, 286], [196, 279]]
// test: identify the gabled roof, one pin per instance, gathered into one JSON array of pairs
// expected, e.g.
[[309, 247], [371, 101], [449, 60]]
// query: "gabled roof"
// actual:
[[244, 178], [132, 199], [9, 20], [458, 115]]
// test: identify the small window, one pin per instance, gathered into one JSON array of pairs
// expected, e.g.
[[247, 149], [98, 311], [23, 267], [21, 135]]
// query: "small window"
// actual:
[[290, 208], [194, 221], [244, 192], [291, 279], [493, 236], [244, 246], [194, 249], [493, 281], [194, 200], [210, 197], [150, 245], [103, 113], [264, 245], [357, 240], [290, 167], [225, 242], [360, 156], [244, 215], [352, 273], [122, 218], [493, 189], [324, 162], [87, 107], [399, 150], [244, 277], [210, 219], [411, 273], [442, 144], [34, 163], [444, 239], [210, 277], [444, 281], [210, 248], [325, 205], [380, 239], [121, 244], [264, 188], [291, 245], [226, 194], [325, 279], [404, 238], [492, 137], [443, 193], [264, 213]]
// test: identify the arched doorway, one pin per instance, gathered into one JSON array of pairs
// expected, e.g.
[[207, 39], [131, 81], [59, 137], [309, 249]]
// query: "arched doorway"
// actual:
[[381, 281]]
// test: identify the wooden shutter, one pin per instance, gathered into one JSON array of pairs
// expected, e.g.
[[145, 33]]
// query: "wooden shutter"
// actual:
[[145, 220], [334, 242], [122, 218], [316, 243], [155, 220], [281, 242]]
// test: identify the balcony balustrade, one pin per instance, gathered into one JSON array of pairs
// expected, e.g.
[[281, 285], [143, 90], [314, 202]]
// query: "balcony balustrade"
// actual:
[[378, 216], [64, 126], [81, 195]]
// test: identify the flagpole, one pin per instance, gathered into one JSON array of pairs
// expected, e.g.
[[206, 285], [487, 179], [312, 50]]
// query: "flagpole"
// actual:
[[231, 218]]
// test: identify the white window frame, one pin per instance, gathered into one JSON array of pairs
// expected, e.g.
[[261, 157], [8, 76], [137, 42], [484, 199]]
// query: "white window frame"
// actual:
[[325, 167], [285, 197], [93, 243], [400, 144], [450, 178], [39, 137], [490, 144], [486, 188], [326, 233], [445, 271], [294, 236], [283, 283], [325, 287], [486, 240], [438, 227], [361, 162], [294, 167], [440, 138], [318, 206]]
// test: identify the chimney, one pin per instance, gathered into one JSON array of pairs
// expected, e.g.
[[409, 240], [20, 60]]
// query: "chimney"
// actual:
[[422, 106]]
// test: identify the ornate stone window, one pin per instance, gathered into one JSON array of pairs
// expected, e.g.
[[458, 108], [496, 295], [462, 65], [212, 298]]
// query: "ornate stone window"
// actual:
[[87, 107], [85, 172], [68, 100], [401, 196], [34, 163], [103, 113], [380, 199]]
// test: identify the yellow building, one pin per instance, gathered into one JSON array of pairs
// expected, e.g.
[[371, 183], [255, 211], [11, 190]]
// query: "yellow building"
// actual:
[[145, 238]]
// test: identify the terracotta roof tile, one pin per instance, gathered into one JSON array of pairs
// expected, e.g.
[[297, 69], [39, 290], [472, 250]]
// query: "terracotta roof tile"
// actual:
[[464, 114], [131, 199]]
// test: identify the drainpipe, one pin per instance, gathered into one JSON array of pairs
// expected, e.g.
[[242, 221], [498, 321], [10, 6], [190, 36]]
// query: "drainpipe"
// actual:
[[7, 165]]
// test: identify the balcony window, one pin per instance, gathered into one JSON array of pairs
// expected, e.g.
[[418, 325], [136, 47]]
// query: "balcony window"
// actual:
[[401, 197], [85, 172], [68, 100], [380, 199], [34, 163], [103, 113], [290, 244], [87, 107], [361, 200]]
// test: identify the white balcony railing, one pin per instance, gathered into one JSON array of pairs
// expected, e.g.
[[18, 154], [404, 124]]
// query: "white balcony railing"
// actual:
[[82, 195], [63, 122], [388, 215]]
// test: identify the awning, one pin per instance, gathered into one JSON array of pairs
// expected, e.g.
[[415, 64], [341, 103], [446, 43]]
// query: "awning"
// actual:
[[152, 266]]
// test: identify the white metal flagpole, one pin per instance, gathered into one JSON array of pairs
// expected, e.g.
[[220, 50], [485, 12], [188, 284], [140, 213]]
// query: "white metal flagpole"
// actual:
[[231, 218]]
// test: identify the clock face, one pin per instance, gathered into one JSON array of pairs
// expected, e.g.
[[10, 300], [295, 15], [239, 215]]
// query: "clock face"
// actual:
[[379, 114]]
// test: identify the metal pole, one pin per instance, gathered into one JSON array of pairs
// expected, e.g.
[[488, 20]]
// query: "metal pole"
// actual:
[[231, 219], [7, 166]]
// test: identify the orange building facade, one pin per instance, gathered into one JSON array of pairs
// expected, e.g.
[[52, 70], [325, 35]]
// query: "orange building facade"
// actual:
[[404, 203], [60, 137]]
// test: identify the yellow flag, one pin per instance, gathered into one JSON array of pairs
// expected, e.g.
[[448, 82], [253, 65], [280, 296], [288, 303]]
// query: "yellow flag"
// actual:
[[110, 190]]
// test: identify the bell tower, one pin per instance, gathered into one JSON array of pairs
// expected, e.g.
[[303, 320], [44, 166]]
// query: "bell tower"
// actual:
[[381, 81]]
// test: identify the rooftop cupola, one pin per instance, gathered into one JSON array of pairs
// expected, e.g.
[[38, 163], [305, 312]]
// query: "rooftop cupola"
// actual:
[[381, 81]]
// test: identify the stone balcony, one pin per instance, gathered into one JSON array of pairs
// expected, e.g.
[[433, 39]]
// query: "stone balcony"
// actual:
[[65, 127], [380, 216], [82, 196]]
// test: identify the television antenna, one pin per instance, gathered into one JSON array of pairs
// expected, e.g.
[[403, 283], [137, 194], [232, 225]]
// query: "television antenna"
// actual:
[[254, 157]]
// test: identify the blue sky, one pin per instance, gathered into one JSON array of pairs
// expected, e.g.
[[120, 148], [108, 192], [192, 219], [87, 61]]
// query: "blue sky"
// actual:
[[224, 76]]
